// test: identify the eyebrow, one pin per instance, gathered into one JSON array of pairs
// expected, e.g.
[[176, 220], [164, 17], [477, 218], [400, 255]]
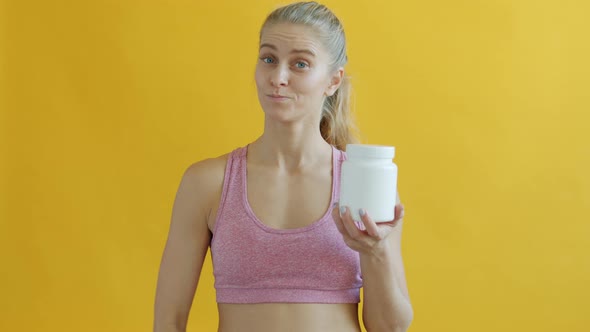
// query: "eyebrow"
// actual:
[[292, 51]]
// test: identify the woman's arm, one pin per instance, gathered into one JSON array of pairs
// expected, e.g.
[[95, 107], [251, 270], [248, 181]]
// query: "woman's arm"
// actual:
[[186, 246], [386, 305]]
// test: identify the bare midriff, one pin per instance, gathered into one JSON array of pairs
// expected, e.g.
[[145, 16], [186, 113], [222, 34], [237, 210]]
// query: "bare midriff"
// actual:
[[287, 317]]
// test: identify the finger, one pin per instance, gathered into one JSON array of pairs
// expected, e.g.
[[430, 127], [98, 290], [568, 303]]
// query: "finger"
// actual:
[[348, 223], [399, 212], [337, 219], [370, 225], [398, 215]]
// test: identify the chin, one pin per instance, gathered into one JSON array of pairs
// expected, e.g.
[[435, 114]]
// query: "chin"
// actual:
[[280, 114]]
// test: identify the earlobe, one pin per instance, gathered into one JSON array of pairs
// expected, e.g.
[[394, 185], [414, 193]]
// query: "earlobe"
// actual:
[[333, 88], [331, 91]]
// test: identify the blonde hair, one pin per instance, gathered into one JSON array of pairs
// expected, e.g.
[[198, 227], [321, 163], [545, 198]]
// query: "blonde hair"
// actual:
[[337, 125]]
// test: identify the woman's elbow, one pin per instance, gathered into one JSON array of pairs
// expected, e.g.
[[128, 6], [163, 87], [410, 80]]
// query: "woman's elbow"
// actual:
[[400, 323], [404, 322]]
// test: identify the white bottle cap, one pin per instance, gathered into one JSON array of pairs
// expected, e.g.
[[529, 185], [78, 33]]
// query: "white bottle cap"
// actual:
[[370, 151]]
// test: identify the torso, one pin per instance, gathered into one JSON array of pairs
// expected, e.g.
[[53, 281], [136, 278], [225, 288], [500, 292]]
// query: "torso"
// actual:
[[285, 200], [287, 317]]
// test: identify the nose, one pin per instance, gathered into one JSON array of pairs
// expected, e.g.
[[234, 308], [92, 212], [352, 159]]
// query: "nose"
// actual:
[[279, 76]]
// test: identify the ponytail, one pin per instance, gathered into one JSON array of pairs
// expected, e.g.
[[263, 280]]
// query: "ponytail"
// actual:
[[337, 126]]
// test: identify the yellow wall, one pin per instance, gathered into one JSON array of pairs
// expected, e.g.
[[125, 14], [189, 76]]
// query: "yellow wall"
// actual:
[[107, 102]]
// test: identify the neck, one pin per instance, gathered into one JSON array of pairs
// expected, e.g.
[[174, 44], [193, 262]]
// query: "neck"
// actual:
[[290, 145]]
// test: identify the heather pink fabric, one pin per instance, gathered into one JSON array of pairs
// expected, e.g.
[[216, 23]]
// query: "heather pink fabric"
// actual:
[[253, 263]]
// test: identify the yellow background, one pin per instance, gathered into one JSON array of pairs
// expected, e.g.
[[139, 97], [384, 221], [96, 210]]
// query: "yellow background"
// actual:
[[105, 103]]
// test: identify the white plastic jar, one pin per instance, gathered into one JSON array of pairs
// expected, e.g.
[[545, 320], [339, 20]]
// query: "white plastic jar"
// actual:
[[369, 181]]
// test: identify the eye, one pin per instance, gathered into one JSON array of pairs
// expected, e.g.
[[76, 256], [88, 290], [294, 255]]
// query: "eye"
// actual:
[[301, 65], [266, 59]]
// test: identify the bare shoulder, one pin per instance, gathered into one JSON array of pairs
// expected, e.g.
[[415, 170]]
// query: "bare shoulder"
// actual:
[[199, 189], [205, 177], [206, 171]]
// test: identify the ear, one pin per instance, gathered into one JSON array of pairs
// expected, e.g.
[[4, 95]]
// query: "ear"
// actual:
[[335, 82]]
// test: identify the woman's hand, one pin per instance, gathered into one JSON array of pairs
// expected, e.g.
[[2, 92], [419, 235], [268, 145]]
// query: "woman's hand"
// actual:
[[373, 237]]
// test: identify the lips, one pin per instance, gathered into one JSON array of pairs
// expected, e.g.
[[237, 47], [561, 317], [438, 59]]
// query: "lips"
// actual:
[[277, 96]]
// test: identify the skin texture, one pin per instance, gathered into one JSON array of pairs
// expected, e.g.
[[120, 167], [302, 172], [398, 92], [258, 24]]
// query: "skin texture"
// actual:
[[289, 181]]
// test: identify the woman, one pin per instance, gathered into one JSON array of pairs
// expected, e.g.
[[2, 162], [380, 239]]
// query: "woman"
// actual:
[[286, 257]]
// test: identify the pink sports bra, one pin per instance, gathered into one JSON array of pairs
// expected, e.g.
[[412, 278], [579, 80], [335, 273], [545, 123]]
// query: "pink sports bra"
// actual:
[[253, 263]]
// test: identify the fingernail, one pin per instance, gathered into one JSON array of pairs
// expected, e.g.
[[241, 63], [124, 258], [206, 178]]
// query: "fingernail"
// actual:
[[362, 212], [342, 209]]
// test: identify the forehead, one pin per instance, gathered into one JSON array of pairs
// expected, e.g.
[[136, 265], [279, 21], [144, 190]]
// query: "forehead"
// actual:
[[287, 37]]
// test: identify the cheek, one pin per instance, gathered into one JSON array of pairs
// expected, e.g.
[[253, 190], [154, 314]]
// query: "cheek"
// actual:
[[312, 85]]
